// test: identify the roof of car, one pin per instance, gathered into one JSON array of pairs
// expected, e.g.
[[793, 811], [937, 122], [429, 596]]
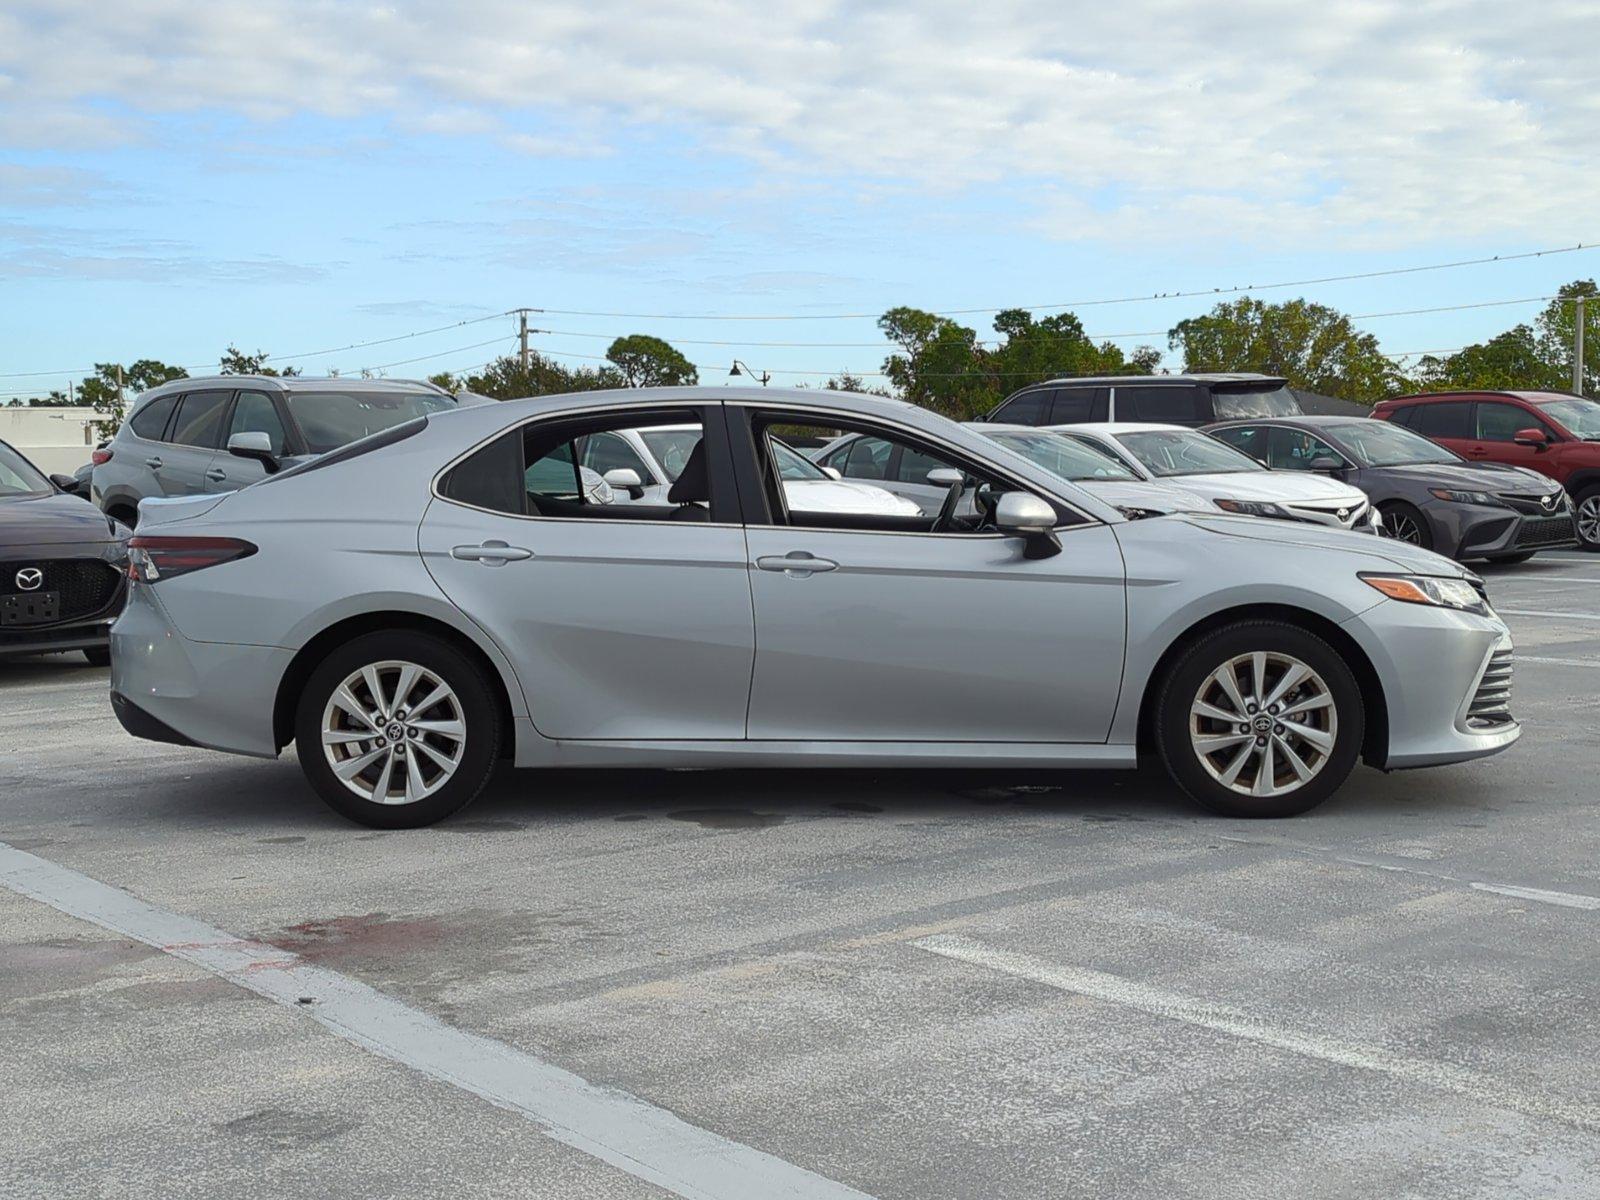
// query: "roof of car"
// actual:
[[293, 383], [1473, 393], [1116, 427], [1201, 377]]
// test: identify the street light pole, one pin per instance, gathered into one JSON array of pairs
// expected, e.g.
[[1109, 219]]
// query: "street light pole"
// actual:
[[736, 372]]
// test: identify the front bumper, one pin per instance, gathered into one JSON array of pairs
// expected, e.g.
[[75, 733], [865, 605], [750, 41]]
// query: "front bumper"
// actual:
[[92, 635], [1480, 531], [1432, 663], [166, 687], [87, 626]]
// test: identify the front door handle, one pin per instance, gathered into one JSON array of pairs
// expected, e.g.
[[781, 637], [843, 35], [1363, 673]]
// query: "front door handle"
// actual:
[[1478, 452], [491, 553], [153, 463], [216, 474], [796, 564]]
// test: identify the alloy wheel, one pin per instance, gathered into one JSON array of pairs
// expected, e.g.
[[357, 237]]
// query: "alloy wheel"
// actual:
[[1589, 519], [393, 732], [1263, 724], [1402, 528]]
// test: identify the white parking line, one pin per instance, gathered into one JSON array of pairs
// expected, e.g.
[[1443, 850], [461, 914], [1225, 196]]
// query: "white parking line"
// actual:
[[1559, 662], [630, 1134], [1534, 612], [1564, 899], [1174, 1006]]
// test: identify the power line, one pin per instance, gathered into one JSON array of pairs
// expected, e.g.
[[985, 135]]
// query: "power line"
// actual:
[[1173, 295]]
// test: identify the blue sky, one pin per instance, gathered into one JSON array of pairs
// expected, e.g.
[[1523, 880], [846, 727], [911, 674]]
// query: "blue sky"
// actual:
[[291, 175]]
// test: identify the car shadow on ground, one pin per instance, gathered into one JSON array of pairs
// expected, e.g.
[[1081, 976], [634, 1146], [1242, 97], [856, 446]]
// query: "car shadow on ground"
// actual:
[[47, 668]]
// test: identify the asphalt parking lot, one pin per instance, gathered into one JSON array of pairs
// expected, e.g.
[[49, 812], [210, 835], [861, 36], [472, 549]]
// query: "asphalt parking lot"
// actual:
[[932, 984]]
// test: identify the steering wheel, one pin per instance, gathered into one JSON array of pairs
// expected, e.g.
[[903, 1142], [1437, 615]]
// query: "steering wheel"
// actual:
[[947, 510]]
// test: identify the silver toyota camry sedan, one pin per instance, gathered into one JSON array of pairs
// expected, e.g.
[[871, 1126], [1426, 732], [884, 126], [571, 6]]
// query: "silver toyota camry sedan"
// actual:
[[417, 606]]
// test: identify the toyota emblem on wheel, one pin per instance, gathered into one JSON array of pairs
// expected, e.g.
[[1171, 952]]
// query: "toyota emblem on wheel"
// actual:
[[29, 579]]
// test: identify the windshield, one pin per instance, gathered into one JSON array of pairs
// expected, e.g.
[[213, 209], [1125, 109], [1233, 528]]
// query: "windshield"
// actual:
[[1581, 417], [671, 448], [1167, 452], [1071, 460], [794, 465], [18, 476], [1380, 444], [333, 419], [1231, 403]]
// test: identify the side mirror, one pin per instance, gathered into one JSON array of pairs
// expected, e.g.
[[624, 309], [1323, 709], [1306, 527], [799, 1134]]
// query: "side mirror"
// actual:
[[1327, 462], [1031, 518], [626, 479], [949, 477], [833, 472], [254, 445], [67, 483], [1537, 438]]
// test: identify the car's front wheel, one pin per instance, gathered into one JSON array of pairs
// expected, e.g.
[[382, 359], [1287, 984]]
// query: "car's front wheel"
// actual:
[[397, 730], [1587, 504], [1260, 719]]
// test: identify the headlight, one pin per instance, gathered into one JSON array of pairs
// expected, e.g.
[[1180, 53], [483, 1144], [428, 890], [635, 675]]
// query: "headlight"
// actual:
[[1255, 508], [1455, 497], [1436, 590]]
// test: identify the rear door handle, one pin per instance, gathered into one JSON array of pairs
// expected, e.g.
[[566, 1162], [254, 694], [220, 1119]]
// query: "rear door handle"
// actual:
[[491, 553], [796, 563], [153, 463], [216, 474]]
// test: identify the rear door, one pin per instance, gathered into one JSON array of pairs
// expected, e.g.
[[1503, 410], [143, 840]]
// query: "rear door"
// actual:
[[193, 442], [1160, 403], [1496, 424], [1448, 422]]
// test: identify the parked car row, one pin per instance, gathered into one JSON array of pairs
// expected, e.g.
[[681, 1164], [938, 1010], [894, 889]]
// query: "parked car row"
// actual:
[[451, 591]]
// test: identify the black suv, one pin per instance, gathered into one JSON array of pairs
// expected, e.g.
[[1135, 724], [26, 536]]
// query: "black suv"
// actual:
[[1192, 400]]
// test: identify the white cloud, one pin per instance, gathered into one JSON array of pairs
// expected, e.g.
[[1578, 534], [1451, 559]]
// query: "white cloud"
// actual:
[[1359, 121]]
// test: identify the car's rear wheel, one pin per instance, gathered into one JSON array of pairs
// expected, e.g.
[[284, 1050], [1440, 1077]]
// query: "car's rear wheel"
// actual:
[[1260, 719], [128, 516], [1587, 503], [397, 730], [98, 656], [1405, 523]]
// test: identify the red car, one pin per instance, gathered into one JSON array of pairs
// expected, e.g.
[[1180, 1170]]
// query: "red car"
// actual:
[[1553, 433]]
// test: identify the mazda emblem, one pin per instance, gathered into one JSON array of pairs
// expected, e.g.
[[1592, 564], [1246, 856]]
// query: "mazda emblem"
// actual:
[[30, 579]]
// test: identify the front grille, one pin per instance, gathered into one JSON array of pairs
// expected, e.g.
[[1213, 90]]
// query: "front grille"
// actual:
[[1491, 703], [1328, 514], [86, 585], [1534, 505], [1546, 531]]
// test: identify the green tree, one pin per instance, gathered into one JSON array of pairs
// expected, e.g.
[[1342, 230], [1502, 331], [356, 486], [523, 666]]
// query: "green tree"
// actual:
[[1556, 326], [1311, 345], [236, 362], [646, 361], [507, 378], [846, 382], [100, 392], [1513, 359]]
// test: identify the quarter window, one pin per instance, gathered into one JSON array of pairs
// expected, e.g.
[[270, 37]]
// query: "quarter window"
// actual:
[[150, 422], [200, 419]]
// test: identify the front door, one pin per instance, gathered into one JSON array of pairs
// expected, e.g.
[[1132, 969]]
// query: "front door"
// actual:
[[622, 621], [900, 634]]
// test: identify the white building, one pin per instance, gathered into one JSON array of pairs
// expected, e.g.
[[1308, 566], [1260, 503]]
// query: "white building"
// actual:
[[57, 438]]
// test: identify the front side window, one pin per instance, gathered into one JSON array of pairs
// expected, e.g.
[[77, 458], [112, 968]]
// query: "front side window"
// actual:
[[1181, 452], [255, 413], [1383, 444], [1500, 422], [150, 422], [19, 477], [1297, 450], [607, 451], [1444, 419], [199, 420], [1247, 439], [1243, 403], [330, 419]]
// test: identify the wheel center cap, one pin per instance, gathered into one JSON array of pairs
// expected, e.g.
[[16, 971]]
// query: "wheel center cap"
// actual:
[[395, 732], [1263, 724]]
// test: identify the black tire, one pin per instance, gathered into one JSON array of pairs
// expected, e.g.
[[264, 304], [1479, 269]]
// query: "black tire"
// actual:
[[1588, 495], [128, 516], [1521, 557], [478, 711], [98, 656], [1397, 515], [1183, 683]]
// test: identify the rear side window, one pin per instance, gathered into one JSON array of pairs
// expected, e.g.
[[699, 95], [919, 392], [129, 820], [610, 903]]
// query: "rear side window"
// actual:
[[1169, 405], [1446, 419], [150, 422], [1073, 406], [200, 419], [1030, 408]]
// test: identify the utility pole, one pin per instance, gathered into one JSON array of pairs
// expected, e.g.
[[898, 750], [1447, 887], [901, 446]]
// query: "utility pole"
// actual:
[[1577, 349], [119, 385], [522, 315]]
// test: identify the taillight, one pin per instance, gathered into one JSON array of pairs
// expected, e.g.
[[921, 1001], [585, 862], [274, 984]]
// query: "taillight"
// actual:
[[151, 558], [100, 457]]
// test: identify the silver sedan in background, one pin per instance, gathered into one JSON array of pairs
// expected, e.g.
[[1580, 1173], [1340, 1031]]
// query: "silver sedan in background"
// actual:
[[413, 608]]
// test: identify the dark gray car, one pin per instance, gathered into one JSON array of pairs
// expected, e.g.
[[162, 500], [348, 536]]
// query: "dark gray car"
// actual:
[[223, 432], [1428, 495]]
